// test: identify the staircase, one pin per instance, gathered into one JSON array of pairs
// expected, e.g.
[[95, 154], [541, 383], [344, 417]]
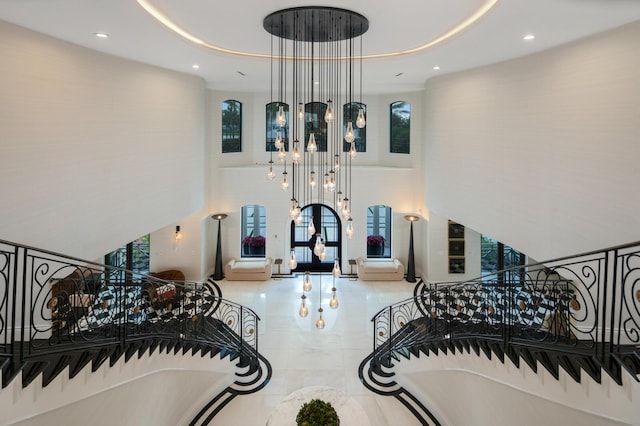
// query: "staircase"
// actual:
[[59, 313], [580, 314]]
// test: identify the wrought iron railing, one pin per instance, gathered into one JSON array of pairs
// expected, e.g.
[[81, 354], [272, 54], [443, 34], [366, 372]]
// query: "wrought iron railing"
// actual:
[[587, 304], [52, 304]]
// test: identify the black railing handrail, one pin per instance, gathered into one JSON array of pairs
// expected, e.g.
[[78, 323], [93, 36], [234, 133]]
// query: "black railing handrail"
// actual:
[[485, 278], [544, 263], [148, 278], [51, 303], [585, 304]]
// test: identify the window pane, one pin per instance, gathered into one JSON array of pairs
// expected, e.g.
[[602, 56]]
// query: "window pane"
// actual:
[[350, 113], [314, 123], [272, 128], [379, 231], [231, 126], [400, 125], [254, 231]]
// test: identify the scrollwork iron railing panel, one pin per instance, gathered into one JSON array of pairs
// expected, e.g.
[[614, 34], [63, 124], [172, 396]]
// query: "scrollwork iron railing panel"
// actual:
[[51, 303], [588, 303], [627, 325], [7, 279]]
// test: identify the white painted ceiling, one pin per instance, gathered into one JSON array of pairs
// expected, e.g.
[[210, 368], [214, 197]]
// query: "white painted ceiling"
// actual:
[[394, 25]]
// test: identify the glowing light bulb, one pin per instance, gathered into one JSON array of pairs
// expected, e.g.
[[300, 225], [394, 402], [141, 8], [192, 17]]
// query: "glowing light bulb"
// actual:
[[312, 180], [328, 115], [271, 175], [311, 229], [312, 146], [336, 164], [339, 203], [300, 111], [306, 285], [317, 249], [349, 230], [331, 185], [360, 121], [336, 269], [295, 154], [303, 311], [323, 254], [352, 151], [281, 119], [293, 263], [282, 154], [334, 303], [292, 212], [298, 220], [278, 142], [285, 183], [320, 323], [349, 135]]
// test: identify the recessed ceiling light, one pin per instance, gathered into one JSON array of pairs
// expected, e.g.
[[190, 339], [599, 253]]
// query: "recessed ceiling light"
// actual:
[[529, 37], [195, 66], [436, 68], [102, 35]]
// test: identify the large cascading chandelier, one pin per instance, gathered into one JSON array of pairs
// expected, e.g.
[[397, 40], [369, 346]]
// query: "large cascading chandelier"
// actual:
[[314, 67]]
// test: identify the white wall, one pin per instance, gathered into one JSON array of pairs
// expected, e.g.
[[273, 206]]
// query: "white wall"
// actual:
[[237, 179], [140, 391], [467, 389], [95, 151], [541, 152]]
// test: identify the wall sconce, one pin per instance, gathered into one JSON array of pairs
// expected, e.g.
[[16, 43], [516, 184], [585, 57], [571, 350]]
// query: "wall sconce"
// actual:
[[178, 235]]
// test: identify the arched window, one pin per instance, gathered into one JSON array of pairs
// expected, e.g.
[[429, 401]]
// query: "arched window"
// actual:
[[314, 123], [400, 126], [350, 113], [231, 126], [379, 231], [253, 231], [273, 129]]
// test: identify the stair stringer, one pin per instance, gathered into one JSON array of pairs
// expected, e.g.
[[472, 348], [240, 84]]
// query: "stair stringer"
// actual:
[[604, 403], [37, 401]]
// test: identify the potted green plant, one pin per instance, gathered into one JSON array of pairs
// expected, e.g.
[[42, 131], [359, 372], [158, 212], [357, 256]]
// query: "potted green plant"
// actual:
[[317, 413], [375, 245]]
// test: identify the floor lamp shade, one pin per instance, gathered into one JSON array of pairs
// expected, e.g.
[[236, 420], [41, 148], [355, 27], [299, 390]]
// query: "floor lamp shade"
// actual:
[[217, 273]]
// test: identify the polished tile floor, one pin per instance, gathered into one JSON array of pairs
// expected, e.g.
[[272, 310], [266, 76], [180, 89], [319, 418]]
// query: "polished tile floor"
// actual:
[[304, 357]]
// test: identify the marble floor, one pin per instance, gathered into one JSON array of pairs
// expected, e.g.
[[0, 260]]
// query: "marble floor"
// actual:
[[303, 357]]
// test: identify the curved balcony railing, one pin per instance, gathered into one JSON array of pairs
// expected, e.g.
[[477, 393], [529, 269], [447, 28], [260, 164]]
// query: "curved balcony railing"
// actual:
[[52, 304], [587, 305]]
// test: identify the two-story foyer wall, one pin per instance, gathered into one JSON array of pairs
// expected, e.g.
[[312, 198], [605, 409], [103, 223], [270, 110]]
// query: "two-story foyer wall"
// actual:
[[379, 177], [95, 150], [541, 152]]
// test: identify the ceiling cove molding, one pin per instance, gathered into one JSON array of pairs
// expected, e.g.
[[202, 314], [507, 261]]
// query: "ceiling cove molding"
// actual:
[[465, 23]]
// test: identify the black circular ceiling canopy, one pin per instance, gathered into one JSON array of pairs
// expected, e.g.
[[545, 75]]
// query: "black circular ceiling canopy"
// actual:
[[316, 24]]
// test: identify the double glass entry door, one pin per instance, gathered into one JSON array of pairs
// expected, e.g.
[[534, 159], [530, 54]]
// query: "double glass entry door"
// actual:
[[328, 227]]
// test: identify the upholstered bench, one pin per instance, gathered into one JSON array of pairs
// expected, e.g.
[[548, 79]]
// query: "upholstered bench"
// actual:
[[248, 269], [380, 269]]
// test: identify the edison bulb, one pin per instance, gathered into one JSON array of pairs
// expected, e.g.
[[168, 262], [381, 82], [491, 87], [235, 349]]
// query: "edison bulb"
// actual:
[[333, 303], [306, 285]]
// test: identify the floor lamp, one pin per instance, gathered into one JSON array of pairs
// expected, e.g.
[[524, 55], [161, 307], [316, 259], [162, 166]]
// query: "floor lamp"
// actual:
[[411, 264], [217, 274]]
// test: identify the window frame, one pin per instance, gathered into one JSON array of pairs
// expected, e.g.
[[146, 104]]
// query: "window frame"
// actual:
[[376, 221], [270, 120], [249, 223], [395, 141], [234, 134]]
